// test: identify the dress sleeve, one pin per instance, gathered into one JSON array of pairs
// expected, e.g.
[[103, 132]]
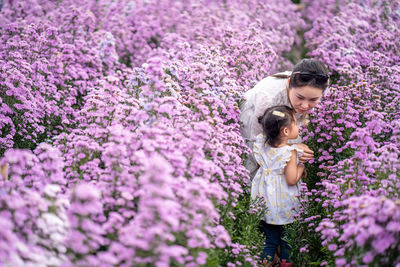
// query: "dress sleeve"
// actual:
[[258, 150], [300, 152], [287, 153]]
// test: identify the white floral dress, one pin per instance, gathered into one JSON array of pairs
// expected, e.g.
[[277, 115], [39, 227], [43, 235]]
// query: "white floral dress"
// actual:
[[280, 199]]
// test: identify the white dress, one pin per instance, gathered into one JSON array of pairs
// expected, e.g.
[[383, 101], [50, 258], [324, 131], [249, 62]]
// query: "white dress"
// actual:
[[280, 199], [269, 92]]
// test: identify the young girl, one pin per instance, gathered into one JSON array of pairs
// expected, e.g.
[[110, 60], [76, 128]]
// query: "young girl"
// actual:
[[277, 177]]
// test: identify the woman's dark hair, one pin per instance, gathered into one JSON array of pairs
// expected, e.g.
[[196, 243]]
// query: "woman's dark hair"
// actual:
[[273, 120], [309, 72]]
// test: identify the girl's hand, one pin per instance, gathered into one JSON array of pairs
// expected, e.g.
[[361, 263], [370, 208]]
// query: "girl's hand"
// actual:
[[308, 154]]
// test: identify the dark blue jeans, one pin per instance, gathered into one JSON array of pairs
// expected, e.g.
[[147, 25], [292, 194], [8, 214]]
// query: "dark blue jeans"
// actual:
[[273, 238]]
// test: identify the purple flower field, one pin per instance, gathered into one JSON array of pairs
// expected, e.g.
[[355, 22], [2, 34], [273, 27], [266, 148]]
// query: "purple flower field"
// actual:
[[120, 135]]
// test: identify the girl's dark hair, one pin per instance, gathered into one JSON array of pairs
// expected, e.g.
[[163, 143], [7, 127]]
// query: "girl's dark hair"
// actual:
[[273, 120], [311, 66]]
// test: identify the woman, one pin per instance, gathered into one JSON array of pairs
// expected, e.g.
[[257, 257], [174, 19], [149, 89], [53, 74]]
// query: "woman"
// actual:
[[301, 90]]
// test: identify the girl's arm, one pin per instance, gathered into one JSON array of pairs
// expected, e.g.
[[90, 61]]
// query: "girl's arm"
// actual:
[[292, 171]]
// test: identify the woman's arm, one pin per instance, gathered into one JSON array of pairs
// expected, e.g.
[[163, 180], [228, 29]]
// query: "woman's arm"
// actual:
[[308, 154]]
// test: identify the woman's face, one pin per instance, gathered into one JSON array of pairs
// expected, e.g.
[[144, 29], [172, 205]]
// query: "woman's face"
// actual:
[[304, 98]]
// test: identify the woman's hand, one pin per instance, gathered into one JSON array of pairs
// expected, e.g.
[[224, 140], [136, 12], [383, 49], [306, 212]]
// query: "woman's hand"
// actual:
[[308, 154]]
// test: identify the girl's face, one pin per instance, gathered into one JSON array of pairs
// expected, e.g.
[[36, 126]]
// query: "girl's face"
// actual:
[[293, 130], [304, 98]]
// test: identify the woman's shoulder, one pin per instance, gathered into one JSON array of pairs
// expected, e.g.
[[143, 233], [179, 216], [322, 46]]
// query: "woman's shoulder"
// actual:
[[276, 81], [282, 75], [277, 78]]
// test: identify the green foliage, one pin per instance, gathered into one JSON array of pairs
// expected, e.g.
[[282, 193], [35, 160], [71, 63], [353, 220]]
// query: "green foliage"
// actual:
[[242, 222], [305, 244]]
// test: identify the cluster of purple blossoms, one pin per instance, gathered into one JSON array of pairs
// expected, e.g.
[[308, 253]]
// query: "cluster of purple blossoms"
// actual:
[[120, 139], [353, 206]]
